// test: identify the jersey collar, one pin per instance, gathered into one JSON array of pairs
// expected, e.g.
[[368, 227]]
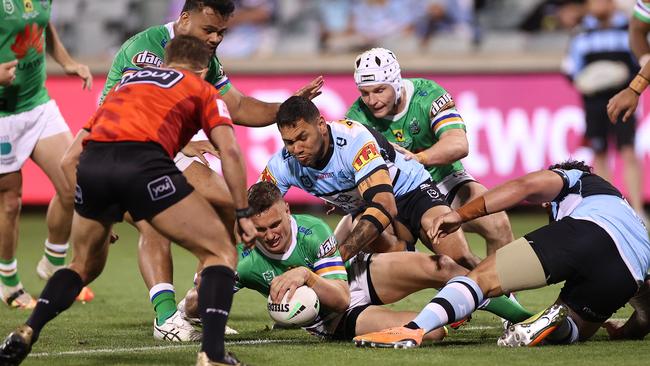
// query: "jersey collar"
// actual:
[[287, 254], [170, 29]]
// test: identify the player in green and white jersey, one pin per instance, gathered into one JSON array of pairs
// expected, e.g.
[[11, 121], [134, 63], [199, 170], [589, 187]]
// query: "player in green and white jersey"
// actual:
[[420, 117], [297, 250], [208, 21], [31, 126]]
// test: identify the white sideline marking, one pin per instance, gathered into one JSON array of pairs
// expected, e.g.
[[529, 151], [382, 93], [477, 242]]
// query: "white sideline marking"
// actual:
[[154, 348], [478, 327]]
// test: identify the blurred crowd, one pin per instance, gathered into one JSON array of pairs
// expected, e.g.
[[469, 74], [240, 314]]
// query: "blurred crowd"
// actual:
[[280, 27]]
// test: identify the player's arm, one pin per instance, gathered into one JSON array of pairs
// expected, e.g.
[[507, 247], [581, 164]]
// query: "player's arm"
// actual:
[[537, 187], [58, 52], [638, 33], [251, 112], [626, 101], [377, 191], [452, 146], [70, 159]]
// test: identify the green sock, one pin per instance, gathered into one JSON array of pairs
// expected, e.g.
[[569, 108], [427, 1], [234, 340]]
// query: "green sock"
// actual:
[[55, 253], [9, 272], [507, 309], [164, 303]]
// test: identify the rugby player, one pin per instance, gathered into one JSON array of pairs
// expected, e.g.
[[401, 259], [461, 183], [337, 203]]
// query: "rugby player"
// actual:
[[31, 126], [595, 242], [150, 115], [208, 21], [297, 250], [420, 117], [638, 325]]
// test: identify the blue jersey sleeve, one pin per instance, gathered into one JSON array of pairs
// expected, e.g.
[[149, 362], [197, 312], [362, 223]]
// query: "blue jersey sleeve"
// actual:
[[365, 156], [277, 172]]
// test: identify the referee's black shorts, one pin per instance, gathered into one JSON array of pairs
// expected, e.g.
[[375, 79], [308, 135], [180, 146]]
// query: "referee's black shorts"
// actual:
[[138, 177]]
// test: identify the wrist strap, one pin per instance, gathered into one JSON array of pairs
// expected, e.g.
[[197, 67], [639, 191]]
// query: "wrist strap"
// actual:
[[638, 84], [243, 213], [475, 208]]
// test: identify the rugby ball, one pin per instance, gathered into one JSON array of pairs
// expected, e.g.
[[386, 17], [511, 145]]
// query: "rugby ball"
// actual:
[[301, 310]]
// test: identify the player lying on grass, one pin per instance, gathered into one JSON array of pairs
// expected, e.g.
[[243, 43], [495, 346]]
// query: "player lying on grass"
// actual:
[[126, 165], [297, 250], [208, 21], [421, 117], [595, 242]]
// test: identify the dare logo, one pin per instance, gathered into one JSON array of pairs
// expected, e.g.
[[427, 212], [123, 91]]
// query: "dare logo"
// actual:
[[365, 155], [146, 59], [266, 176]]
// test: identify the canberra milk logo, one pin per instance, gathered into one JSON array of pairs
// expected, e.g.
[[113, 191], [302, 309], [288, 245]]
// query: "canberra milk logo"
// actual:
[[161, 188], [146, 58]]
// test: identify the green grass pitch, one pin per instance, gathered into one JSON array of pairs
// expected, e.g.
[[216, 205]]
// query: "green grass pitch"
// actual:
[[116, 328]]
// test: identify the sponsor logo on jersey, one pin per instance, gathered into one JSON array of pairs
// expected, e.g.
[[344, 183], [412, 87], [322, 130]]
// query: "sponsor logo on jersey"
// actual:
[[304, 230], [268, 276], [164, 78], [306, 181], [366, 154], [160, 188], [340, 142], [399, 135], [30, 38], [327, 248], [441, 103], [223, 109], [8, 6], [146, 58], [325, 175], [346, 122], [29, 6], [414, 127], [266, 176]]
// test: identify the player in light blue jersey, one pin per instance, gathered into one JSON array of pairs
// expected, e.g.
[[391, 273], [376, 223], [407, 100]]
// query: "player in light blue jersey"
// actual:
[[358, 171], [595, 242]]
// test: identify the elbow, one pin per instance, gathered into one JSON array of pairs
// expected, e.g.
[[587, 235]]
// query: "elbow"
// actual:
[[463, 150]]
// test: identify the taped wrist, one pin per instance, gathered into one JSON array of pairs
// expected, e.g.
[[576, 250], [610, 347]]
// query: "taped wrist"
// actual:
[[638, 84], [475, 208], [377, 215]]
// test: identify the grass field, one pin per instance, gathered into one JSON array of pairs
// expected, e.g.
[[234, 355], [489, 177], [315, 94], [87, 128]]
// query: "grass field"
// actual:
[[115, 328]]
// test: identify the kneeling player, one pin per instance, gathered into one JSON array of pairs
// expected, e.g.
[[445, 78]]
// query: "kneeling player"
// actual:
[[595, 242], [297, 250], [126, 165]]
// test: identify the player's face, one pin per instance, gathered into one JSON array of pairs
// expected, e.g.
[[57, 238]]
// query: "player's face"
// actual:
[[380, 99], [204, 24], [306, 141], [274, 228]]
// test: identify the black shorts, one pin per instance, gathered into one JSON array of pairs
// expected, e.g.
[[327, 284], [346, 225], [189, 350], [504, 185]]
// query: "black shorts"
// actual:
[[582, 253], [412, 206], [599, 128], [138, 177]]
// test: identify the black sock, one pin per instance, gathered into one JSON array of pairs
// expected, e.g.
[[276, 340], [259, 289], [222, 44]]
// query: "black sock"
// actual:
[[412, 325], [215, 300], [58, 295]]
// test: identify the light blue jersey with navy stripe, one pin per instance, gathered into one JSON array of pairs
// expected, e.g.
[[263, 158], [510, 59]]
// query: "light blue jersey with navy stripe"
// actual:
[[357, 153], [589, 197]]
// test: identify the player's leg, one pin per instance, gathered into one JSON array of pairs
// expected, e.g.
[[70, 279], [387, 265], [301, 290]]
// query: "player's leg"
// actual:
[[12, 293], [633, 172], [494, 228], [203, 234], [637, 325], [90, 240], [52, 144]]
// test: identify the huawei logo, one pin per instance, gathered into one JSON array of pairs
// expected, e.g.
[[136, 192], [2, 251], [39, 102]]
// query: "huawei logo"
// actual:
[[31, 37]]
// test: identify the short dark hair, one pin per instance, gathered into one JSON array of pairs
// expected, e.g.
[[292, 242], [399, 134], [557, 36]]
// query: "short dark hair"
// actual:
[[572, 164], [188, 50], [262, 195], [294, 109], [223, 7]]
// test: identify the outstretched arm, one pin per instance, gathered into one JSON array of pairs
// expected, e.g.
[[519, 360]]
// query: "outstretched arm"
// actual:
[[58, 52]]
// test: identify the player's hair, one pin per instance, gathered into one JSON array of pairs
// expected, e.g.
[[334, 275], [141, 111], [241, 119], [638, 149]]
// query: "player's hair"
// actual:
[[188, 50], [572, 164], [294, 109], [263, 195], [223, 7]]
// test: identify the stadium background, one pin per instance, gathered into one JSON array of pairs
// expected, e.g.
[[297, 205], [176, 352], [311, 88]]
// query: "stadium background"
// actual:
[[500, 59]]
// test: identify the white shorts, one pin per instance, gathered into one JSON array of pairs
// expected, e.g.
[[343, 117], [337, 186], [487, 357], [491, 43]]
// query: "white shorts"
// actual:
[[448, 186], [20, 132]]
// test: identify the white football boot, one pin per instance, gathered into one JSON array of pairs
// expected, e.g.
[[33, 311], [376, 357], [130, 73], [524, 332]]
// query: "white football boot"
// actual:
[[45, 269], [176, 329], [197, 321], [532, 331]]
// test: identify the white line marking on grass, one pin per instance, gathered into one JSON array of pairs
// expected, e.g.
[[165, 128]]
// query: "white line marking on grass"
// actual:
[[154, 348], [478, 327]]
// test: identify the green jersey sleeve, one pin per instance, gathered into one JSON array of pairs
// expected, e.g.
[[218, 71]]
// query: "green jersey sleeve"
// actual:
[[321, 242], [442, 111], [642, 11]]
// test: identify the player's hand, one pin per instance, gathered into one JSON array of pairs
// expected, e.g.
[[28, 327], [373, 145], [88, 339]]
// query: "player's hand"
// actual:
[[311, 90], [288, 282], [247, 231], [614, 329], [198, 148], [8, 72], [444, 225], [408, 155], [82, 71], [624, 102]]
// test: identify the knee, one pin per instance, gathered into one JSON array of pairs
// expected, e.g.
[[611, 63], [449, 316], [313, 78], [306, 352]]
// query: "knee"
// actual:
[[224, 255], [445, 264], [499, 228], [12, 201], [152, 241]]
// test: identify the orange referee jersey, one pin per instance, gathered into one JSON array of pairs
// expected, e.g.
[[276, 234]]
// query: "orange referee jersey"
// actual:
[[165, 106]]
